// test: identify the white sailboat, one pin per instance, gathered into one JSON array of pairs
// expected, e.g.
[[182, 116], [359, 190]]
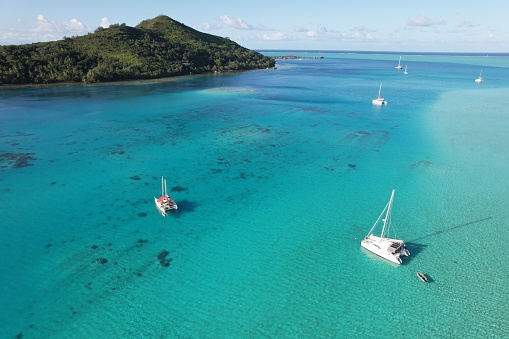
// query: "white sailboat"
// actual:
[[399, 64], [379, 100], [165, 202], [387, 248], [479, 79], [406, 69]]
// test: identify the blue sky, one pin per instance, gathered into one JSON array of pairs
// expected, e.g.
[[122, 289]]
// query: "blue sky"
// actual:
[[364, 25]]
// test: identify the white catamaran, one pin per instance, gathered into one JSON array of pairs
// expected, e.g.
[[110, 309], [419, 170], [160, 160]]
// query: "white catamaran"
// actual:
[[479, 79], [387, 248], [379, 100], [398, 66], [165, 202]]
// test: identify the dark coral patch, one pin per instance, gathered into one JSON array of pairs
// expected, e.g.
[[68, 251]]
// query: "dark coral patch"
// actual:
[[135, 177], [142, 214], [101, 260], [352, 165], [17, 160], [140, 242], [162, 258], [422, 163], [179, 189]]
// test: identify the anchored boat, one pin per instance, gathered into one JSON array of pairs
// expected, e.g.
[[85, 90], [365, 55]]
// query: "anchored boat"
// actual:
[[387, 248], [379, 100], [422, 276], [164, 203]]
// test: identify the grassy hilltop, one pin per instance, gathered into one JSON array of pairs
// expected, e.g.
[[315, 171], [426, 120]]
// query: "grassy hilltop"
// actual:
[[156, 48]]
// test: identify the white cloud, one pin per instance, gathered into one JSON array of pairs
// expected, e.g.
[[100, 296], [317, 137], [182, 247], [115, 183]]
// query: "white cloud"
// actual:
[[266, 37], [300, 29], [360, 34], [236, 23], [241, 24], [355, 34], [320, 30], [105, 23], [43, 30], [263, 28], [277, 36], [72, 27], [463, 23], [210, 27], [423, 21]]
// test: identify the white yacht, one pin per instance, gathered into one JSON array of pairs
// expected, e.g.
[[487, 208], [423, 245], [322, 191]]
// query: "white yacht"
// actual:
[[379, 100], [164, 203], [387, 248], [479, 79], [399, 64]]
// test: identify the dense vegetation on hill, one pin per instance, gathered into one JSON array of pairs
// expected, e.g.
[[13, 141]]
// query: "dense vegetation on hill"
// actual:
[[156, 48]]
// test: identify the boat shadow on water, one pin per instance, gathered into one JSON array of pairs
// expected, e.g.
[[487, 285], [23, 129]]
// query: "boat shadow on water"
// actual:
[[414, 249], [185, 206], [448, 230]]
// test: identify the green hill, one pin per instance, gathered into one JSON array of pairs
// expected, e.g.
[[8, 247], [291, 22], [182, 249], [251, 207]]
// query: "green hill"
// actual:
[[156, 48]]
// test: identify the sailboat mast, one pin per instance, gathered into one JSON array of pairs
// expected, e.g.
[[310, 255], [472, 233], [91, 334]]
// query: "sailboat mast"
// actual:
[[387, 215], [379, 91]]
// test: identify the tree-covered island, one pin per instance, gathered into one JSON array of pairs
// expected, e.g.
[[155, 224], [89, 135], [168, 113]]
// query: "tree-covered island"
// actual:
[[156, 48]]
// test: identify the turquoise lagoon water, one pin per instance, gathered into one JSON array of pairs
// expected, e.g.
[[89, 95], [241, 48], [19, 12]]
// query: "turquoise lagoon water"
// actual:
[[278, 175]]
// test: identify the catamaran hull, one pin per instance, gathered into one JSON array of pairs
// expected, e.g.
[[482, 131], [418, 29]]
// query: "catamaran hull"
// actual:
[[382, 253], [380, 247], [379, 102], [165, 204], [160, 208]]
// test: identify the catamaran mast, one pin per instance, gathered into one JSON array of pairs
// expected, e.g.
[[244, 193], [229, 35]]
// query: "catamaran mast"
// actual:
[[387, 215]]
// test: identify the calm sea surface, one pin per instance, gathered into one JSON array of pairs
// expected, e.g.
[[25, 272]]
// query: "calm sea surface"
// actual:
[[278, 174]]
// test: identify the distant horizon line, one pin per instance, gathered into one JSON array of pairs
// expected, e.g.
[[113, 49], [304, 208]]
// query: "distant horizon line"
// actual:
[[386, 52]]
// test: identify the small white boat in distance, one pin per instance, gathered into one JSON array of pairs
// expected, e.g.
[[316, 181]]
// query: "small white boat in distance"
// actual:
[[387, 248], [164, 203], [379, 100], [479, 79], [406, 69], [399, 64]]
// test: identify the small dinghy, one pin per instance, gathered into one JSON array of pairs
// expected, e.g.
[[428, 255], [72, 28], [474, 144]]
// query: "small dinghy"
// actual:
[[422, 277]]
